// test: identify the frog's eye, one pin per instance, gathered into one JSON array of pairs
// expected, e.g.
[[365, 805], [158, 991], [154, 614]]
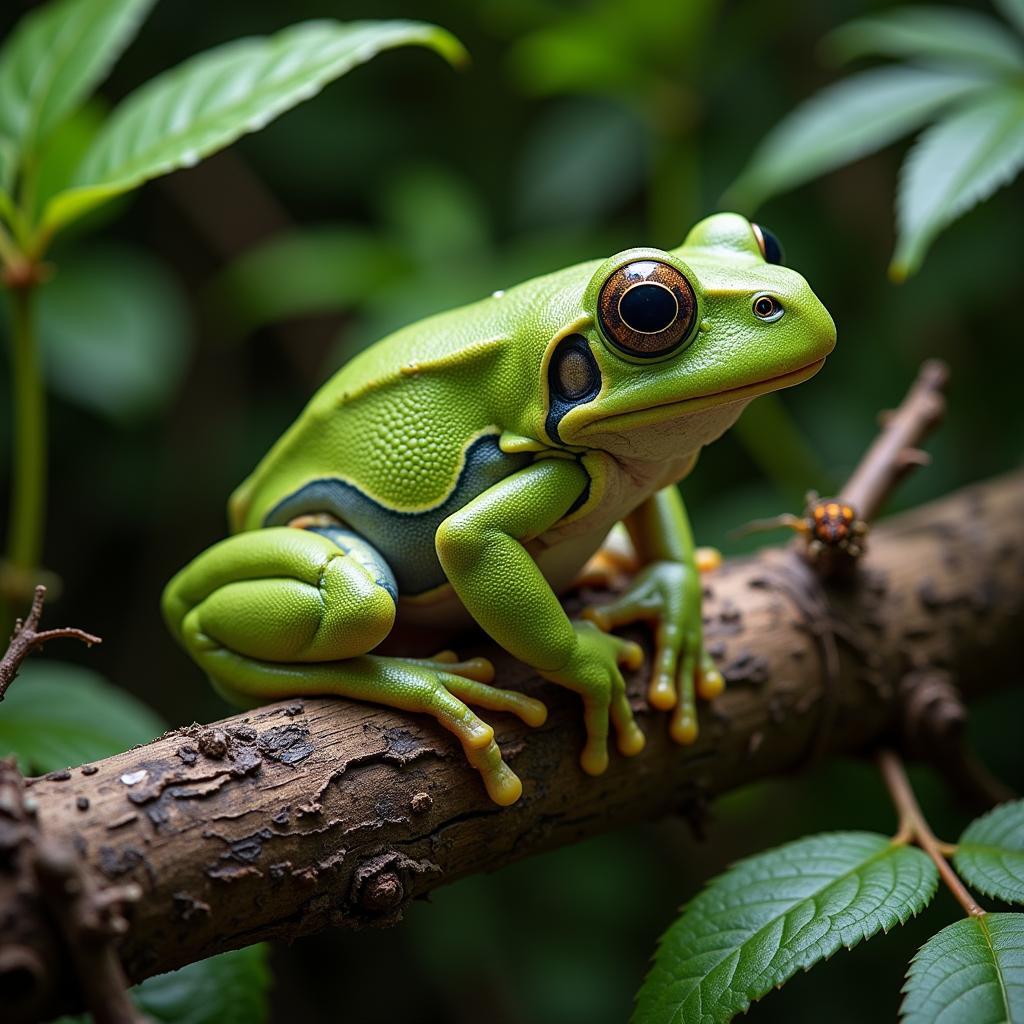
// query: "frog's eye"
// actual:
[[647, 308], [770, 246], [767, 308]]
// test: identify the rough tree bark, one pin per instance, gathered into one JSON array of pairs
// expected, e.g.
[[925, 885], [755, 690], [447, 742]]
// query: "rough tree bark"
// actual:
[[315, 813]]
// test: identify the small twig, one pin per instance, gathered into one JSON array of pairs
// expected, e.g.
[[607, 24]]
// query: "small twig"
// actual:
[[894, 452], [914, 828], [27, 637], [833, 530]]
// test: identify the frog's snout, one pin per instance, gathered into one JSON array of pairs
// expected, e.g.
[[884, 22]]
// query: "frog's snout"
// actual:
[[823, 328], [827, 333]]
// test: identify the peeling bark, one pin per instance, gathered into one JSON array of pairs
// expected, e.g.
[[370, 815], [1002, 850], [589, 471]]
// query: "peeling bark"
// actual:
[[314, 813]]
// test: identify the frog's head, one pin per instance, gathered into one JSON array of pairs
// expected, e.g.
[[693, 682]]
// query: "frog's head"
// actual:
[[671, 346]]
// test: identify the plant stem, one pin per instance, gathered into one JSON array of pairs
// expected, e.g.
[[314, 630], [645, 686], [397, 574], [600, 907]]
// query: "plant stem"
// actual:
[[914, 828], [28, 483], [8, 250]]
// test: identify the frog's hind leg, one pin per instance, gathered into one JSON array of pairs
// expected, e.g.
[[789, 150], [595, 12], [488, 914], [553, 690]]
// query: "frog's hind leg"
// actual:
[[283, 612]]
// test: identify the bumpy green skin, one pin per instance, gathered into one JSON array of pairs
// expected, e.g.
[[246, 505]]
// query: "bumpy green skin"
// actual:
[[431, 482]]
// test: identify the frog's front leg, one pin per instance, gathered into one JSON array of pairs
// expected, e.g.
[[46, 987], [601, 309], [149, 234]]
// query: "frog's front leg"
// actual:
[[667, 593], [281, 612], [481, 550]]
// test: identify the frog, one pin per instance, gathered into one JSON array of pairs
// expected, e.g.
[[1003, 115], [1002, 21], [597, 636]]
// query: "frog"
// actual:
[[464, 469]]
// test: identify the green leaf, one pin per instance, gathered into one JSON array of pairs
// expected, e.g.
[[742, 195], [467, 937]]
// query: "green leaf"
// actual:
[[230, 988], [203, 105], [1013, 11], [929, 34], [64, 150], [770, 915], [227, 989], [990, 853], [317, 270], [955, 164], [54, 59], [972, 972], [114, 330], [56, 714], [846, 121]]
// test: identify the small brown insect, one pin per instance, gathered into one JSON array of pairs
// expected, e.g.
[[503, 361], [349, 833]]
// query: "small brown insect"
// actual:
[[830, 522], [828, 525]]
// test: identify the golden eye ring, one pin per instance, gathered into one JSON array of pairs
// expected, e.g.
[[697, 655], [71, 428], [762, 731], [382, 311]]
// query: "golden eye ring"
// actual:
[[767, 308], [647, 308]]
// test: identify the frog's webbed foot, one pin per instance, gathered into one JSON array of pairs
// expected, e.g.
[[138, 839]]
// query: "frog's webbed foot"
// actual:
[[668, 596], [443, 686], [593, 672]]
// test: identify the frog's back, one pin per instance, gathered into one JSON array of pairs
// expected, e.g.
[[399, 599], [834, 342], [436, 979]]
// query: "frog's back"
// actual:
[[405, 421]]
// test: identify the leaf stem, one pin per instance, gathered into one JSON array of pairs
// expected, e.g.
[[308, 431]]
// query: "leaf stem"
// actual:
[[914, 828], [28, 486], [9, 254]]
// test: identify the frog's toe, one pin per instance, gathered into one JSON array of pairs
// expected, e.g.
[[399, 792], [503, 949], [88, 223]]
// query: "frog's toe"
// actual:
[[683, 724], [480, 669], [633, 606], [661, 694], [629, 736], [594, 759], [598, 616], [503, 786], [710, 683], [478, 735], [683, 727], [631, 655], [528, 709], [631, 739], [707, 559], [661, 691]]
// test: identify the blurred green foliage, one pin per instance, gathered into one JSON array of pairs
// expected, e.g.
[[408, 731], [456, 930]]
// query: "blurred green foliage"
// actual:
[[962, 76], [578, 129], [59, 715]]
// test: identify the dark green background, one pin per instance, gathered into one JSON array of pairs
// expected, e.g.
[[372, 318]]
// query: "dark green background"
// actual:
[[578, 130]]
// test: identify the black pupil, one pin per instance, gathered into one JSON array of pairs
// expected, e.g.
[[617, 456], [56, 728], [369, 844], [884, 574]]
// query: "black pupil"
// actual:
[[765, 307], [648, 308]]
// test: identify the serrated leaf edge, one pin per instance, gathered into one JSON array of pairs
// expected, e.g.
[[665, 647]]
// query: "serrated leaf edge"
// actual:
[[884, 851]]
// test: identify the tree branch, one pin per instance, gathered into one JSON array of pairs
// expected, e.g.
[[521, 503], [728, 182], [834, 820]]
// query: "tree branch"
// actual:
[[894, 452], [315, 813]]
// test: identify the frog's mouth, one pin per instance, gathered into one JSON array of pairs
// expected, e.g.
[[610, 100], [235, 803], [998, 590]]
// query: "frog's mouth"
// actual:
[[696, 403]]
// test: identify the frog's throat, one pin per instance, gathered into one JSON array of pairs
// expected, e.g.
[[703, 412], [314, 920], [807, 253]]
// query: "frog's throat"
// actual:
[[695, 403]]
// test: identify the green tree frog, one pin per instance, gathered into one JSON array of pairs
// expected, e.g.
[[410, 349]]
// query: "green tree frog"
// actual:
[[466, 467]]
